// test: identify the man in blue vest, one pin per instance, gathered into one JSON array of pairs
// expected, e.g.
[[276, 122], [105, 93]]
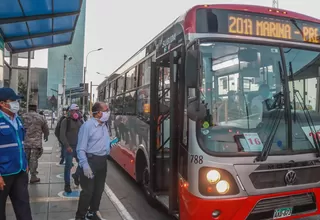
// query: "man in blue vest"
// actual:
[[13, 161]]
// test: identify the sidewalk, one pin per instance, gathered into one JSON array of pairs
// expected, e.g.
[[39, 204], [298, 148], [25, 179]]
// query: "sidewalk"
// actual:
[[47, 198]]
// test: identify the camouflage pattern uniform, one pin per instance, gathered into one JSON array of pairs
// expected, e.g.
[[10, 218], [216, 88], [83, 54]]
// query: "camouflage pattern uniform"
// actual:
[[34, 124]]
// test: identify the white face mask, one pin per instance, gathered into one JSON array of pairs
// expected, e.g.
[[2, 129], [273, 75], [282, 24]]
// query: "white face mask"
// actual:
[[105, 116], [14, 107]]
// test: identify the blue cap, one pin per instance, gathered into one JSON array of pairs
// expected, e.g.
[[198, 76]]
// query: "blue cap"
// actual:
[[8, 94]]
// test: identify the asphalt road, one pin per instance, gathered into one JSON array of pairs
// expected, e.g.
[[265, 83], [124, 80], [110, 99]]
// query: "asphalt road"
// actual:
[[131, 196]]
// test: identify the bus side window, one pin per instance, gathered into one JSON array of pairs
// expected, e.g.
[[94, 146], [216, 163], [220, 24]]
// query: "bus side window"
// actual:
[[143, 93]]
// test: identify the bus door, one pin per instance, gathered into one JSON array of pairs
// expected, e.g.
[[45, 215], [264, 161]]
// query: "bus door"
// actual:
[[164, 128]]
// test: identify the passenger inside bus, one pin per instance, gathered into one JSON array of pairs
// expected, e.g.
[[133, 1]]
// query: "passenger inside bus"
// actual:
[[258, 103]]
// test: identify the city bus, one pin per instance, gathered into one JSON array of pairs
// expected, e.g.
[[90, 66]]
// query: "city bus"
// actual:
[[217, 117]]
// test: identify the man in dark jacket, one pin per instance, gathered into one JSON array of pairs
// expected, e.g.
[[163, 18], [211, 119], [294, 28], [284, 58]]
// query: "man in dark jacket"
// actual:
[[13, 161], [69, 137]]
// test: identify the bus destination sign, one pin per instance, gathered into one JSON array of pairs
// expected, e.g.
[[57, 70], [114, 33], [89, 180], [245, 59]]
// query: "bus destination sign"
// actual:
[[273, 27]]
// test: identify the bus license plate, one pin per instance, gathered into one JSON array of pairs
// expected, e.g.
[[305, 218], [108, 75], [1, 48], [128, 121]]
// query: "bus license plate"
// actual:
[[282, 212]]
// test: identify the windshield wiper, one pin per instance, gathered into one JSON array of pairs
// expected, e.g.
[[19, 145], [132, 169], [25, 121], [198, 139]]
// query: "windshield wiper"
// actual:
[[293, 88], [294, 22], [306, 113], [274, 127]]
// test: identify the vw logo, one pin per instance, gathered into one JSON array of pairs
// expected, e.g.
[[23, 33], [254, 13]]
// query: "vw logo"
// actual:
[[290, 177]]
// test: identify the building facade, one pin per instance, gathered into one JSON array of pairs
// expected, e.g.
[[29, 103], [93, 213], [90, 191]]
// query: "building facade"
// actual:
[[74, 67], [38, 85]]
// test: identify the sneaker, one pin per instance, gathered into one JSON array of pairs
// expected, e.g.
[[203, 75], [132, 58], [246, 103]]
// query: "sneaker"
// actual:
[[94, 216], [61, 161], [76, 179], [67, 188]]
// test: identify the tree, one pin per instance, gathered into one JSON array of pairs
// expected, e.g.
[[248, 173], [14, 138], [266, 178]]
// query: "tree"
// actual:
[[22, 90]]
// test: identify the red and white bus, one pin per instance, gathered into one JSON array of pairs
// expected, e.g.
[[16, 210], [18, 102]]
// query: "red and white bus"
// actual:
[[218, 116]]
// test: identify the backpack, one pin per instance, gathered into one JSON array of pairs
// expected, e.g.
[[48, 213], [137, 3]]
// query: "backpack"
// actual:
[[57, 130]]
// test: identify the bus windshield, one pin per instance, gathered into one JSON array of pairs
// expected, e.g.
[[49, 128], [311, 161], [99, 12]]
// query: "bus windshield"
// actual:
[[243, 85]]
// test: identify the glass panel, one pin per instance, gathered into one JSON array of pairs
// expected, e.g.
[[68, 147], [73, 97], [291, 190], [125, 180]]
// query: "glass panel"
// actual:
[[131, 79], [143, 102], [145, 72], [164, 93], [311, 93], [120, 85], [113, 89], [240, 83], [303, 68]]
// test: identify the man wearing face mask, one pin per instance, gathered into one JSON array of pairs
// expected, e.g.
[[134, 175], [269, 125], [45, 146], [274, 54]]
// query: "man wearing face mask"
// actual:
[[93, 148], [13, 161], [69, 130]]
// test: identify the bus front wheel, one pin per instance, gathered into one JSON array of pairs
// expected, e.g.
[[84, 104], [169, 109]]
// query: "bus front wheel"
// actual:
[[145, 186]]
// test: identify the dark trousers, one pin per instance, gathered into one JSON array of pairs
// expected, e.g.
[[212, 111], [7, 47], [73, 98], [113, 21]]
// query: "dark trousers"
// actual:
[[92, 189], [17, 189]]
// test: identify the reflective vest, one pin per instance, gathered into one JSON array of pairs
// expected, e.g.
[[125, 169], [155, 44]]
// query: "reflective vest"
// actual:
[[12, 156]]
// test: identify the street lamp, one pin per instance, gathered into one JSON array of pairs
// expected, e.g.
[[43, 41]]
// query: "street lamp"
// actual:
[[64, 82], [85, 72]]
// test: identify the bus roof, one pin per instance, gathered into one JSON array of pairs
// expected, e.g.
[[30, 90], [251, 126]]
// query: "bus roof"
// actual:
[[188, 18]]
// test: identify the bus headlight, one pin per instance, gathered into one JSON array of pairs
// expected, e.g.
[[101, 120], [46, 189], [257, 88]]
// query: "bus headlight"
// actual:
[[222, 187], [213, 176], [215, 181]]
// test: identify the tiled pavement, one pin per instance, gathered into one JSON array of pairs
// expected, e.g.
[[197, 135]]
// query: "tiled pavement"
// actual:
[[48, 201]]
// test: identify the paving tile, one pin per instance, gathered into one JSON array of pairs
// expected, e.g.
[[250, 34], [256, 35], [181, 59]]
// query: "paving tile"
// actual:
[[65, 206], [39, 190], [39, 216], [50, 187], [36, 208]]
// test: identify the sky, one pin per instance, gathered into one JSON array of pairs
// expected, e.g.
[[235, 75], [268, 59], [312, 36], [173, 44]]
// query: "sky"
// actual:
[[121, 28]]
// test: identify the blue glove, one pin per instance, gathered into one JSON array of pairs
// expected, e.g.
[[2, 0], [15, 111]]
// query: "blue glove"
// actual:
[[87, 171], [114, 141]]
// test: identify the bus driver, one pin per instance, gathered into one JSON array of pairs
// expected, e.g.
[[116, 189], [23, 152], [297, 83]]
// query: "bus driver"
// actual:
[[258, 104]]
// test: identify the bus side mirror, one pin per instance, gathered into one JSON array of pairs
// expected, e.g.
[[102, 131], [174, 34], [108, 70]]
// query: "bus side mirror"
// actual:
[[196, 111], [191, 69]]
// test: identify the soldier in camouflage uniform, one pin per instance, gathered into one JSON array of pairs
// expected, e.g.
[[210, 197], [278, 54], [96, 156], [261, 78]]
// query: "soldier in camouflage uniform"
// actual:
[[34, 124]]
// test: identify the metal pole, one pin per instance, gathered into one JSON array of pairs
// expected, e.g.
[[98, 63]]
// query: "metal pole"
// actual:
[[90, 98], [84, 76], [28, 81], [64, 81], [84, 85]]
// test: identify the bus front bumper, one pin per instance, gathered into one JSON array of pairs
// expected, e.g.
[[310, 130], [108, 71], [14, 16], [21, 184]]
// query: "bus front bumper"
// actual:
[[304, 203]]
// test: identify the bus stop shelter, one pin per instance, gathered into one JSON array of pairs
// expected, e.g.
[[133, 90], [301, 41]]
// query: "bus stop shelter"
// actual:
[[28, 25]]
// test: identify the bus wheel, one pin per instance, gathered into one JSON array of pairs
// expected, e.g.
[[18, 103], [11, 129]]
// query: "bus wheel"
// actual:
[[145, 186]]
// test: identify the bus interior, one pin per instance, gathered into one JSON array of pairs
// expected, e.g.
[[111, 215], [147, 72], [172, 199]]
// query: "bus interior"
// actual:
[[243, 87]]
